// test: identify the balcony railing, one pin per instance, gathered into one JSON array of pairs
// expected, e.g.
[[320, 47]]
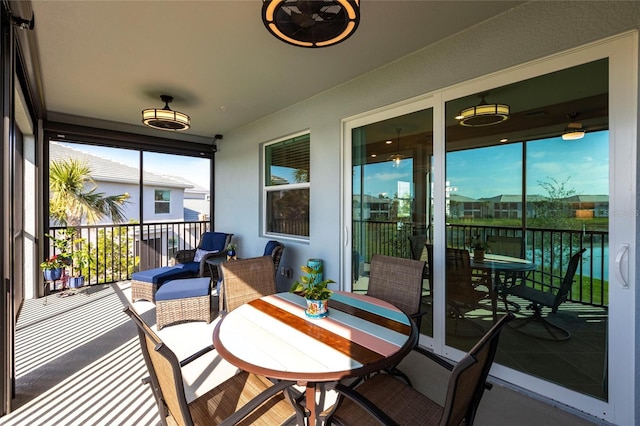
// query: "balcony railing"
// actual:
[[550, 249], [117, 251]]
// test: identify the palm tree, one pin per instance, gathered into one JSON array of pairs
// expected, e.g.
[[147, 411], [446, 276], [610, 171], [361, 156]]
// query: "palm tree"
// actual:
[[74, 197]]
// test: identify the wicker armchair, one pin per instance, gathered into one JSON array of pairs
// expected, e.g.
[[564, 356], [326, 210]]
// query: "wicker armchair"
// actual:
[[275, 249], [383, 399], [244, 397], [209, 242]]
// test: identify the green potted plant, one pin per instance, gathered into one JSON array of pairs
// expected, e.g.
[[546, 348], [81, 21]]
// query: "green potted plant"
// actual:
[[231, 251], [80, 262], [480, 247], [315, 291], [52, 268]]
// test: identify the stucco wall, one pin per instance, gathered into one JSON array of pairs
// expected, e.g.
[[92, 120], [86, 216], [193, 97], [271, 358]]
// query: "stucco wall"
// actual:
[[525, 33], [529, 32]]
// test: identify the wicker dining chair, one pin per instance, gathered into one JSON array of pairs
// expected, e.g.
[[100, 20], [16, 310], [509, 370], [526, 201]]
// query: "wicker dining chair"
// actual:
[[384, 399], [245, 398], [244, 280]]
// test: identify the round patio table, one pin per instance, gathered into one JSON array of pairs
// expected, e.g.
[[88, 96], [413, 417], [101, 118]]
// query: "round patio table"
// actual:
[[273, 337]]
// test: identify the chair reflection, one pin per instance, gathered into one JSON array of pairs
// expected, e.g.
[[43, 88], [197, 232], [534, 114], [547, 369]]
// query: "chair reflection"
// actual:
[[463, 293]]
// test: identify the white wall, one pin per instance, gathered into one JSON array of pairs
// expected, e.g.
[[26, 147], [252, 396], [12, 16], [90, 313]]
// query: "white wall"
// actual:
[[528, 32]]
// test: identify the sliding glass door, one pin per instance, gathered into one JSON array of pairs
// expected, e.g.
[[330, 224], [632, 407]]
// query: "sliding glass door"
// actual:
[[538, 181], [391, 194], [497, 184]]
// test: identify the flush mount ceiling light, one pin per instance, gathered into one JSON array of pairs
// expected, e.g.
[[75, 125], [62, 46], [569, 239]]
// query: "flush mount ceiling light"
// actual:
[[574, 130], [165, 118], [397, 157], [316, 23], [483, 114]]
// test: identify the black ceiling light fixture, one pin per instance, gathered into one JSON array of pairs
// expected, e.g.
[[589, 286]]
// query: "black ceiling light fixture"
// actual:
[[483, 114], [166, 118], [315, 23]]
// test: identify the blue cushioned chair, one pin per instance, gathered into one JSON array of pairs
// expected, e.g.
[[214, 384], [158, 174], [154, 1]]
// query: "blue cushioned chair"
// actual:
[[274, 249], [211, 245]]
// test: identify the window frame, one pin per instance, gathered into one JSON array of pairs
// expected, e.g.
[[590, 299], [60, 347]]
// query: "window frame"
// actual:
[[267, 189], [156, 201]]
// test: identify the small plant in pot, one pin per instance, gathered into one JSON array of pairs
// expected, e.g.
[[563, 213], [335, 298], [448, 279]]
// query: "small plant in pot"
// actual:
[[480, 247], [80, 262], [314, 290], [231, 251], [52, 268]]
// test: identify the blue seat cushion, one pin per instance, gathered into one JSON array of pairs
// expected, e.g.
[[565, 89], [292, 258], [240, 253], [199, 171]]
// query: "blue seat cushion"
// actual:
[[162, 274], [271, 245], [213, 241], [192, 267], [182, 289]]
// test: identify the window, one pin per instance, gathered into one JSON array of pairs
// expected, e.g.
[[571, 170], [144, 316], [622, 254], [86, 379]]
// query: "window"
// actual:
[[162, 201], [286, 186]]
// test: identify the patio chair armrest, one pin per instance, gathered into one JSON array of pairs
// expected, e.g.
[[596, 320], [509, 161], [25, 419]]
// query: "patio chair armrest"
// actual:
[[443, 362], [196, 355], [435, 358], [185, 256], [418, 315]]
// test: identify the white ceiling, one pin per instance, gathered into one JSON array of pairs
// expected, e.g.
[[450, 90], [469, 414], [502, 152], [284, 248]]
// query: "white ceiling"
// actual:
[[109, 60]]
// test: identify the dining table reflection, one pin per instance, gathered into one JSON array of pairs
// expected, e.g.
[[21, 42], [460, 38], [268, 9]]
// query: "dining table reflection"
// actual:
[[497, 267]]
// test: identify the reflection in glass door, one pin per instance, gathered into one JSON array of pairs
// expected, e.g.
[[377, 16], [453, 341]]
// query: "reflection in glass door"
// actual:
[[525, 196], [391, 196]]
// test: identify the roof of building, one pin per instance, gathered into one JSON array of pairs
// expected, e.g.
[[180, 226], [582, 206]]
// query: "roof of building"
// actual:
[[108, 170], [588, 199]]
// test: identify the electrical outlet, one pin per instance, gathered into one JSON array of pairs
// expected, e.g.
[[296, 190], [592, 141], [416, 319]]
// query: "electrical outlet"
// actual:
[[288, 272]]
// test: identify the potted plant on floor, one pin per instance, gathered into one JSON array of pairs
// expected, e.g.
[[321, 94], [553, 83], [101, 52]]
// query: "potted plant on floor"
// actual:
[[315, 291], [80, 262]]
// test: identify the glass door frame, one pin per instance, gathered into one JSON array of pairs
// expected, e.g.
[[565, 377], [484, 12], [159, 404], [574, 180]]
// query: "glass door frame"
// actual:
[[622, 52]]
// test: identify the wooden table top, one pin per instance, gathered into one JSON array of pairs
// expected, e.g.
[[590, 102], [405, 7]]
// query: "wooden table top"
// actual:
[[272, 336]]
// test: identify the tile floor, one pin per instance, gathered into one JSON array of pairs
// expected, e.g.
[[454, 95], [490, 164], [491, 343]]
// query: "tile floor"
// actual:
[[78, 361]]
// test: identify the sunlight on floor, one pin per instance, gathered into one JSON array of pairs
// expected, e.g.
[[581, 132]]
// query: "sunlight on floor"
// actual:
[[78, 360]]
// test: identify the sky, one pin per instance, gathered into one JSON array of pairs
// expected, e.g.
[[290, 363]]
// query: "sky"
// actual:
[[478, 173], [192, 169], [487, 172]]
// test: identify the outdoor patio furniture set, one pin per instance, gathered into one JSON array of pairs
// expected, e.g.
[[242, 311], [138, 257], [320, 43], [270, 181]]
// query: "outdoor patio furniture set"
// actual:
[[263, 392], [183, 292]]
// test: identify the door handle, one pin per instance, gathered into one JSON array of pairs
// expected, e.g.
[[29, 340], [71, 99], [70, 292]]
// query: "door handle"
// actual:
[[624, 248]]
